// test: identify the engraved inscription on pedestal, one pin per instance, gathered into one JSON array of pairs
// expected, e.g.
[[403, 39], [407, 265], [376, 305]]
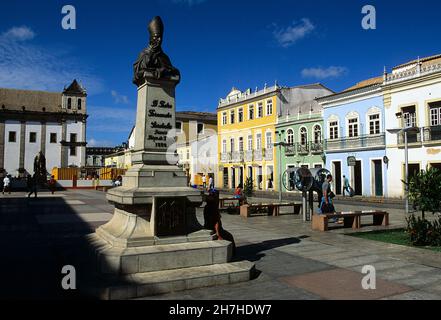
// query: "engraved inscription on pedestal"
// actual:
[[160, 120], [170, 216]]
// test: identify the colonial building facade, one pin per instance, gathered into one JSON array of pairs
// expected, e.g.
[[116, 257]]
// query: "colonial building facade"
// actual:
[[412, 98], [246, 131], [196, 144], [354, 126], [300, 124], [95, 157], [34, 121], [249, 124]]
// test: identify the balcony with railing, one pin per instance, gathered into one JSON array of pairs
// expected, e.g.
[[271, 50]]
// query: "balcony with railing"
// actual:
[[269, 154], [354, 143], [258, 155], [413, 138], [432, 134], [249, 155], [316, 147], [290, 150], [226, 157], [302, 149], [237, 156]]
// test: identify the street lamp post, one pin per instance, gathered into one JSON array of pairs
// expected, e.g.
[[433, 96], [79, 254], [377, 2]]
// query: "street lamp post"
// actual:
[[280, 144], [406, 160]]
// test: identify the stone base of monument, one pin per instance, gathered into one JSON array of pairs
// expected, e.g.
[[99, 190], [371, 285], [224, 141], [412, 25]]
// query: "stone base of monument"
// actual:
[[127, 273], [154, 243]]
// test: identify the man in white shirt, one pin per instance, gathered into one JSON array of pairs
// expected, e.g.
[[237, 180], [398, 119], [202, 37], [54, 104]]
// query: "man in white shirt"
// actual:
[[6, 185], [211, 183], [204, 181]]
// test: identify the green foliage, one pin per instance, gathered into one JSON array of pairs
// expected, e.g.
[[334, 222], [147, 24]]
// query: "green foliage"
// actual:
[[425, 190], [423, 232], [395, 236], [248, 187]]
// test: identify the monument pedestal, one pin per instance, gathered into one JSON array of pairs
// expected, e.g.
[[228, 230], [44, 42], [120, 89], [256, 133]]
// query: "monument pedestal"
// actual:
[[154, 242]]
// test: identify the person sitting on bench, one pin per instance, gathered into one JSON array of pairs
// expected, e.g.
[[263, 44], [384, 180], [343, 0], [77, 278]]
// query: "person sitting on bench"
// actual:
[[238, 194], [326, 205]]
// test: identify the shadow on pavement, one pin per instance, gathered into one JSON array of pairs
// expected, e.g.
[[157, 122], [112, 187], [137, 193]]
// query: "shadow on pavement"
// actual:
[[39, 236], [254, 252]]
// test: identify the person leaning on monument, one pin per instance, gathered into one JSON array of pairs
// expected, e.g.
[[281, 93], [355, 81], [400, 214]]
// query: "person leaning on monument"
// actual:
[[212, 218]]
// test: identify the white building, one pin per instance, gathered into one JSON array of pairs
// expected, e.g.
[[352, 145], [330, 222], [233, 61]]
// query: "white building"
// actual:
[[34, 121], [196, 146], [412, 98], [203, 158]]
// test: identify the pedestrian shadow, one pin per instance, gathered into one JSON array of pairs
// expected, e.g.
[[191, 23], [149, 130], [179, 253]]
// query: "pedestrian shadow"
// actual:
[[254, 252]]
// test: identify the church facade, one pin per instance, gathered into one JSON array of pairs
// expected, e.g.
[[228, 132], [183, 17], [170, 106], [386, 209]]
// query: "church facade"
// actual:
[[34, 121]]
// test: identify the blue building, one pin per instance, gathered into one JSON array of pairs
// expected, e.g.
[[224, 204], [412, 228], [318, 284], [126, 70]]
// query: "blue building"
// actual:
[[355, 138]]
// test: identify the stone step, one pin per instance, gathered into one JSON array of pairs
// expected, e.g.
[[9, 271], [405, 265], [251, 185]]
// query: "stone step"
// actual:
[[118, 261], [160, 282]]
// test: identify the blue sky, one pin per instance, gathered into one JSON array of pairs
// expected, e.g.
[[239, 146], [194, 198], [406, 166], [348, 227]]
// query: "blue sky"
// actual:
[[216, 44]]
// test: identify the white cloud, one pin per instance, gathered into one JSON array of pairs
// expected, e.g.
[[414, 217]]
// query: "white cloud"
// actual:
[[189, 2], [24, 65], [324, 73], [291, 34], [119, 98], [18, 33], [99, 143]]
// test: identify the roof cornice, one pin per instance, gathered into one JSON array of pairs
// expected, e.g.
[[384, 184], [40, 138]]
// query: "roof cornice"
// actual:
[[347, 95]]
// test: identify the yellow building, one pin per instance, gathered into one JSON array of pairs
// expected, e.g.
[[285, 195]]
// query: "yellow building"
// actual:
[[246, 135], [122, 158]]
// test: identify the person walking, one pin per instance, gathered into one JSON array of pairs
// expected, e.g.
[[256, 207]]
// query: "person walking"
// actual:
[[211, 182], [6, 184], [32, 184], [29, 183], [52, 184], [270, 184], [346, 186], [204, 181]]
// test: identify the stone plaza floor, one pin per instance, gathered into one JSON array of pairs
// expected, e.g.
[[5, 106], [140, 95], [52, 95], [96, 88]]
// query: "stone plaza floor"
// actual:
[[293, 262]]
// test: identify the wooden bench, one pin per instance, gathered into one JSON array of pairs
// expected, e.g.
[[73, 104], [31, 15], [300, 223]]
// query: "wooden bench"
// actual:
[[222, 201], [273, 208], [351, 219]]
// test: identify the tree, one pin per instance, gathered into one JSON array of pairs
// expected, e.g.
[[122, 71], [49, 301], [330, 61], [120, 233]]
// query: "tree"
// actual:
[[248, 187], [425, 190]]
